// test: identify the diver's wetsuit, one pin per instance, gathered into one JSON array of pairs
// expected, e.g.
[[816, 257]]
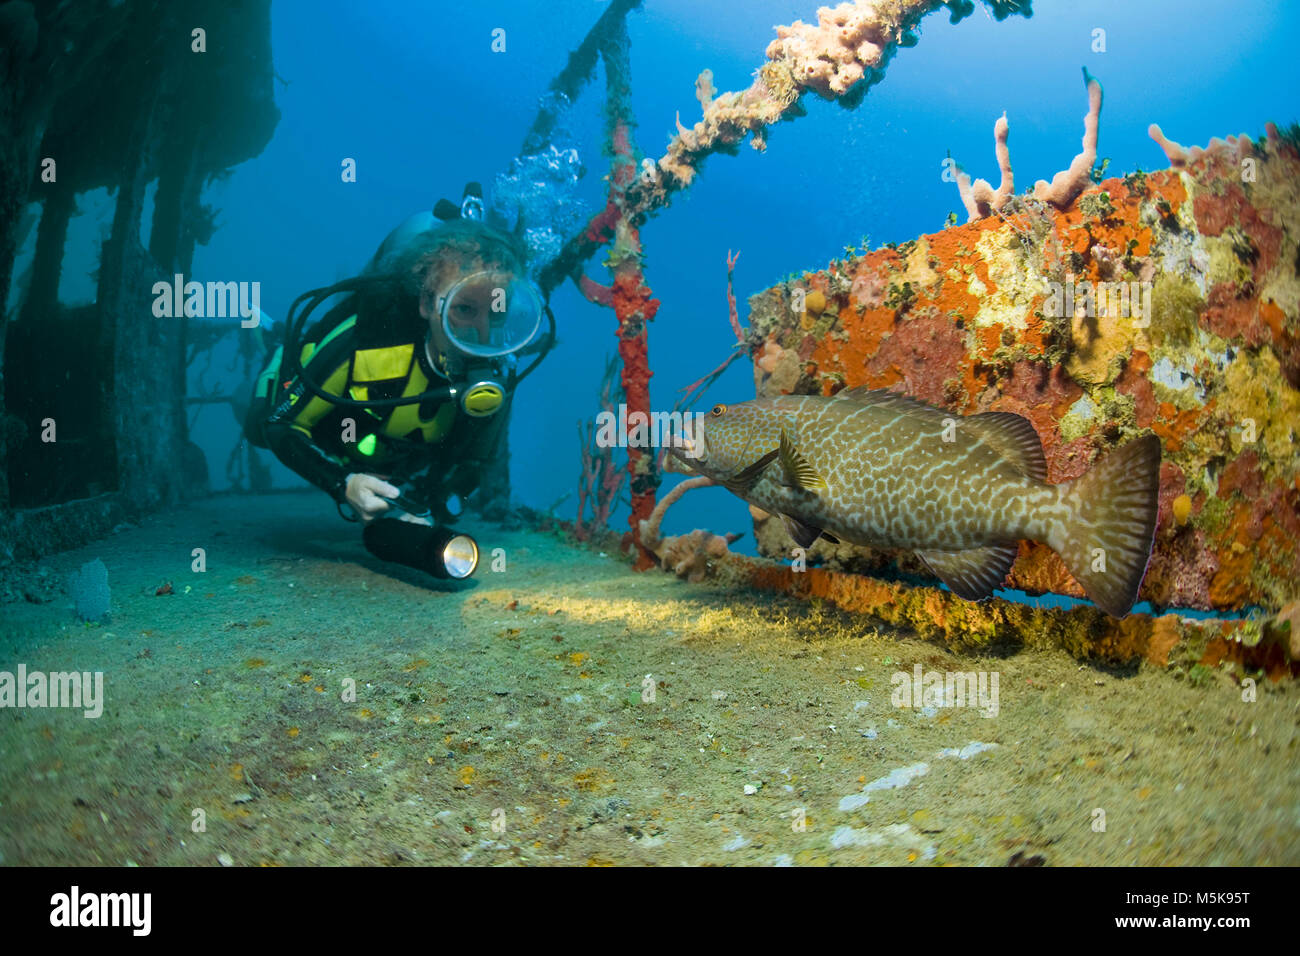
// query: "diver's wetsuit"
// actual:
[[306, 432]]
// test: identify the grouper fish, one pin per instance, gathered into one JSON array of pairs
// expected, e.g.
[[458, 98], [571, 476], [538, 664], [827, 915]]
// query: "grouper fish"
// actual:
[[882, 470]]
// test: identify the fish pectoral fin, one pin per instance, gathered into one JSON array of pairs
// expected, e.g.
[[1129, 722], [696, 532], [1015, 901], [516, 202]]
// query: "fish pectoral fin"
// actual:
[[803, 535], [975, 572], [798, 472]]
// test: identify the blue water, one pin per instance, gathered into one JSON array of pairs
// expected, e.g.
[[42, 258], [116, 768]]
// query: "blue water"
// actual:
[[413, 92]]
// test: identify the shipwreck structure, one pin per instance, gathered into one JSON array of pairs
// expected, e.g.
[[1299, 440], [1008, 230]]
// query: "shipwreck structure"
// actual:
[[92, 424]]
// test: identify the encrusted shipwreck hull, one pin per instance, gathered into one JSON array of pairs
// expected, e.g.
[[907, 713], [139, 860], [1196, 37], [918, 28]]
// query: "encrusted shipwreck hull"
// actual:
[[1192, 331]]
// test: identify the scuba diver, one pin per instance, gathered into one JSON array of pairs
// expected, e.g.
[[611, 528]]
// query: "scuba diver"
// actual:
[[395, 401]]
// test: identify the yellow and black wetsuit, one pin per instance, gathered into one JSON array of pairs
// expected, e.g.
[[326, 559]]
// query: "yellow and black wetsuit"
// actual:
[[325, 442]]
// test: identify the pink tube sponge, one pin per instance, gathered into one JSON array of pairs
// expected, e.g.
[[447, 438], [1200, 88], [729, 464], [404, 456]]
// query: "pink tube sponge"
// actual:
[[981, 199], [1075, 178]]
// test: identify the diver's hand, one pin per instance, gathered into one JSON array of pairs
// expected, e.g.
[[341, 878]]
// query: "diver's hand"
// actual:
[[367, 495]]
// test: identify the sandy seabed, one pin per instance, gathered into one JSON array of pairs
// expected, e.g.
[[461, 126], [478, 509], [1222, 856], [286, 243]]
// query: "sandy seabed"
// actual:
[[301, 703]]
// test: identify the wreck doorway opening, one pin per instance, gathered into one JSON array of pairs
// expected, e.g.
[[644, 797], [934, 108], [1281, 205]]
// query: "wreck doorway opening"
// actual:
[[59, 371], [56, 379]]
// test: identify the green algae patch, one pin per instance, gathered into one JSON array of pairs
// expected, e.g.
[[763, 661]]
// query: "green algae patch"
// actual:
[[1176, 307]]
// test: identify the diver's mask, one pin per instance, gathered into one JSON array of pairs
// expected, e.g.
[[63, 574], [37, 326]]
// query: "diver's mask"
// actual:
[[485, 318], [490, 314]]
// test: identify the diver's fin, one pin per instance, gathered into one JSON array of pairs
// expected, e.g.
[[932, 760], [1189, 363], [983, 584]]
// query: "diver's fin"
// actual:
[[803, 535], [1013, 437], [1106, 539], [798, 473], [975, 572], [747, 475], [446, 210]]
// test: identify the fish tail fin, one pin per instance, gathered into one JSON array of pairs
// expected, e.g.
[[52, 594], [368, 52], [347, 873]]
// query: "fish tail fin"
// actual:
[[1106, 540]]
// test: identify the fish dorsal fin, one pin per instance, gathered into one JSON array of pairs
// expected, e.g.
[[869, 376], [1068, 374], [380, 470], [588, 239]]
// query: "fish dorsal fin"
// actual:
[[884, 398], [1014, 438], [798, 472], [973, 573], [803, 535]]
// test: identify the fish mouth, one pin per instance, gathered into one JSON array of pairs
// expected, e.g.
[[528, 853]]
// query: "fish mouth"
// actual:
[[689, 454], [692, 450]]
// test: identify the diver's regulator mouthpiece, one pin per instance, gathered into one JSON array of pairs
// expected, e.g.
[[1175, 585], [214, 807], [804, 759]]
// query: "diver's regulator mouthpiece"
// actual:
[[481, 399], [476, 397]]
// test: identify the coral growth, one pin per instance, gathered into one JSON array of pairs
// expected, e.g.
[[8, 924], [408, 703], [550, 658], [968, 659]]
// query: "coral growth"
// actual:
[[1163, 640], [1066, 185], [981, 199], [1179, 156], [649, 530], [691, 556], [634, 307], [846, 44]]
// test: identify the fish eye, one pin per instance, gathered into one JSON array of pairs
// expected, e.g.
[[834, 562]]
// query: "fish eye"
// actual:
[[718, 410]]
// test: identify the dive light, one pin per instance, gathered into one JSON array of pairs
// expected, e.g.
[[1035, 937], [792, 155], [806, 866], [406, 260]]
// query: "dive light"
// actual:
[[441, 552]]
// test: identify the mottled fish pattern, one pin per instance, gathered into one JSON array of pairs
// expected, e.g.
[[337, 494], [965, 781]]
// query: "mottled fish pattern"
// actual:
[[878, 469]]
